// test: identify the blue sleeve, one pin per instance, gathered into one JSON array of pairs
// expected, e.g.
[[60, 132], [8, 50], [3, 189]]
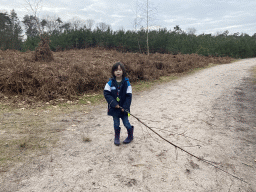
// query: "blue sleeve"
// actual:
[[108, 96], [128, 97]]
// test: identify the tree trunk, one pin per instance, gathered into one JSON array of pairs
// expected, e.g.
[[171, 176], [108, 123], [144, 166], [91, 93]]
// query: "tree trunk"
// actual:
[[147, 30]]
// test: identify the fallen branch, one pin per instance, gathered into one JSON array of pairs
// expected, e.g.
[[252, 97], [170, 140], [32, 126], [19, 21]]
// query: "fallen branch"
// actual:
[[177, 147]]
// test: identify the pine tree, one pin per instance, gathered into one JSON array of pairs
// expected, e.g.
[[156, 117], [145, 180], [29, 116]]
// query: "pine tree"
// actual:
[[16, 31], [30, 23], [5, 23]]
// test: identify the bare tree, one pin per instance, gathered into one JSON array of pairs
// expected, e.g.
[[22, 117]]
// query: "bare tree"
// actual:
[[42, 51], [52, 23], [35, 6], [65, 27], [148, 11], [138, 17], [145, 14], [103, 26], [191, 31], [77, 23], [89, 23], [121, 28], [237, 34]]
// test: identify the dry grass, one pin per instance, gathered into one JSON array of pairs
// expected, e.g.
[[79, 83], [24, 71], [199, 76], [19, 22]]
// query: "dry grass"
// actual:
[[43, 51], [34, 96], [26, 131], [75, 72], [254, 74], [86, 139]]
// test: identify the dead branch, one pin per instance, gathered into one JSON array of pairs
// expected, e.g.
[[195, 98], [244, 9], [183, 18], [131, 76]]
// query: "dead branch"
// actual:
[[200, 159]]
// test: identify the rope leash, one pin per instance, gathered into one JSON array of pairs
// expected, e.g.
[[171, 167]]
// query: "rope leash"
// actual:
[[200, 159]]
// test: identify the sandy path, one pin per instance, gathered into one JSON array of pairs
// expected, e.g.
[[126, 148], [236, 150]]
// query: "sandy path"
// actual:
[[214, 108]]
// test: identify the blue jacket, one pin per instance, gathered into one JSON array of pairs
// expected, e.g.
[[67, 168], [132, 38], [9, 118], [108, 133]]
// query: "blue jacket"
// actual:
[[125, 96]]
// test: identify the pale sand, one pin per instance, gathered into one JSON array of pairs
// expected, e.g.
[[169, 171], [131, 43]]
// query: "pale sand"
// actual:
[[210, 113]]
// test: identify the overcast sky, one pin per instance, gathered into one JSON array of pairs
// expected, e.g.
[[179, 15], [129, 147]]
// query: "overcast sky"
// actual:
[[206, 16]]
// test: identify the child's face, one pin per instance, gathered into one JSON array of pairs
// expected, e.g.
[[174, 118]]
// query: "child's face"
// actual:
[[118, 72]]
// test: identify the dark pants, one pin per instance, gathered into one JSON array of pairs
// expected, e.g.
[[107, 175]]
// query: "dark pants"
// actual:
[[125, 122]]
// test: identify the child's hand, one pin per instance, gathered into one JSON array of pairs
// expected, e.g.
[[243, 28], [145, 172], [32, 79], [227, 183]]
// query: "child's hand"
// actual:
[[117, 106]]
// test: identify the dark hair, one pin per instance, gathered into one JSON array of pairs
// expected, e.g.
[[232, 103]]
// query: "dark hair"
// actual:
[[115, 66]]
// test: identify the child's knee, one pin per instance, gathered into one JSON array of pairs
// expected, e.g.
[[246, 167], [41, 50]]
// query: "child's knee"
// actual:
[[116, 124], [127, 125]]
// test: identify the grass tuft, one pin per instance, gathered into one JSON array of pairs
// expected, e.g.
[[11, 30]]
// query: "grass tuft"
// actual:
[[23, 145], [254, 75], [86, 139]]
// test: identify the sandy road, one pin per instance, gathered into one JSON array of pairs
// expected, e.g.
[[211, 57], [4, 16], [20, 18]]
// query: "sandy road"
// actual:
[[210, 113]]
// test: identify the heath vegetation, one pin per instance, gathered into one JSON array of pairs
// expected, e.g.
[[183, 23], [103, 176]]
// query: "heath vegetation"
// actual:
[[76, 72]]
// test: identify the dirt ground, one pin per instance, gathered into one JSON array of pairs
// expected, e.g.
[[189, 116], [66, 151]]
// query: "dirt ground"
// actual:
[[210, 113]]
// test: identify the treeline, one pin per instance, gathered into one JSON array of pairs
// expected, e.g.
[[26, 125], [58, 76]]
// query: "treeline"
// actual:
[[10, 31], [65, 36], [161, 41]]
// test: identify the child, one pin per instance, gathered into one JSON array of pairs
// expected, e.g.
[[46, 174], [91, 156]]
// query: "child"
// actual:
[[118, 93]]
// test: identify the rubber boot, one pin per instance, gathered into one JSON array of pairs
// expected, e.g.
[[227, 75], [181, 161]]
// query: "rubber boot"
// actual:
[[130, 136], [117, 137]]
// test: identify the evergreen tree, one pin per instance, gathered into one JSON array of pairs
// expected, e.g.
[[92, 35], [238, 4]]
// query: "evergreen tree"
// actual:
[[30, 23], [16, 31], [5, 23]]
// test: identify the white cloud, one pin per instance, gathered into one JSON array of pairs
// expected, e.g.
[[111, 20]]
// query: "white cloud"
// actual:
[[98, 7], [170, 20], [204, 15], [54, 9], [8, 8], [228, 27], [117, 16]]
